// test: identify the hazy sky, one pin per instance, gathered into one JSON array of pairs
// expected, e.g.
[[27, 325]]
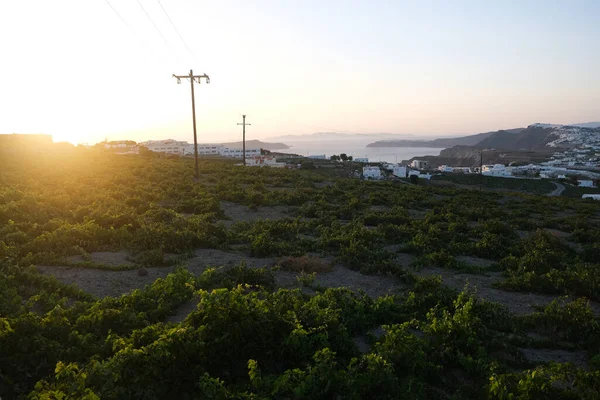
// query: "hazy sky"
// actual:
[[73, 69]]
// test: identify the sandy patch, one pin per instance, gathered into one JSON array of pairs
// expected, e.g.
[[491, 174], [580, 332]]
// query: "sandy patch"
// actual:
[[518, 303], [404, 259], [238, 212], [381, 208], [373, 285], [104, 283], [205, 258], [538, 356], [113, 258], [417, 214], [476, 261]]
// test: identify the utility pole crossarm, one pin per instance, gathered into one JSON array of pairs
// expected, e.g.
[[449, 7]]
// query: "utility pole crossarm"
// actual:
[[193, 78]]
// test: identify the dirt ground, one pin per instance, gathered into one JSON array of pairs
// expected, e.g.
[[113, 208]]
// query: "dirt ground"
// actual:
[[105, 257], [104, 283], [519, 303], [237, 212], [538, 356], [372, 285], [516, 302]]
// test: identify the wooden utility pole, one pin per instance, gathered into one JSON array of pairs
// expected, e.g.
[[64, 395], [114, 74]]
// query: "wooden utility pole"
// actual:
[[244, 138], [198, 78]]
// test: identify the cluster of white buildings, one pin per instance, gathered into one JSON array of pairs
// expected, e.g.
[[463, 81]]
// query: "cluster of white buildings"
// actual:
[[397, 170], [544, 171], [461, 170], [183, 148], [264, 161], [419, 164]]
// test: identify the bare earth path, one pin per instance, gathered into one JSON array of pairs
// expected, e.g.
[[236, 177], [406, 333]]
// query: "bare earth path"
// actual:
[[558, 191]]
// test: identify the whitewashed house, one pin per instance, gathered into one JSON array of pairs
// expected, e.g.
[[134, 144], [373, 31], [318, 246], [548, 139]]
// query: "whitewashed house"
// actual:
[[586, 183], [418, 174], [591, 196], [496, 170], [399, 171], [361, 159], [419, 164], [372, 173], [168, 146], [264, 161], [445, 168]]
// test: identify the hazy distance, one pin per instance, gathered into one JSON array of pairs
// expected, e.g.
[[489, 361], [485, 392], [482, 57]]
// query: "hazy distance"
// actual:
[[73, 69]]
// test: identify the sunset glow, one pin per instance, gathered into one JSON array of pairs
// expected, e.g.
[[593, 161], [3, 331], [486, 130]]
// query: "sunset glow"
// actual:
[[73, 69]]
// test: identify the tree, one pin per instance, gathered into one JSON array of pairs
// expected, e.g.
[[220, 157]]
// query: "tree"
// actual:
[[307, 164], [334, 158], [145, 152], [349, 158], [344, 157]]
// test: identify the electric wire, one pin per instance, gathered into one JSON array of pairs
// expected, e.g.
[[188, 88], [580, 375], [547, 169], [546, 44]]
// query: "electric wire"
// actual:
[[133, 32], [152, 21], [123, 20], [177, 31]]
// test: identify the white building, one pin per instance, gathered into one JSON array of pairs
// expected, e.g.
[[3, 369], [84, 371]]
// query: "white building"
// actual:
[[361, 159], [204, 149], [445, 168], [418, 174], [318, 157], [117, 144], [238, 153], [183, 148], [586, 183], [399, 171], [591, 196], [264, 161], [463, 170], [371, 172], [419, 164], [168, 146], [496, 170]]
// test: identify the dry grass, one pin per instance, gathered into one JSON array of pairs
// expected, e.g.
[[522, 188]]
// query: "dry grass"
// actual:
[[306, 264]]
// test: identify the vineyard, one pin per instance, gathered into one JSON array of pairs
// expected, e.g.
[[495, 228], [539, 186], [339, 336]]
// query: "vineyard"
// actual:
[[121, 278]]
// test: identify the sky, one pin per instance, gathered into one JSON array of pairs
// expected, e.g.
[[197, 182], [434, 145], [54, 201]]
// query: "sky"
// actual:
[[75, 70]]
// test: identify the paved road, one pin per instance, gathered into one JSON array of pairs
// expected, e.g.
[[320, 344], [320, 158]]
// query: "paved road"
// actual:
[[558, 191]]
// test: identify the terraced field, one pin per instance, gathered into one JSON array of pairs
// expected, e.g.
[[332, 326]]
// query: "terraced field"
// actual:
[[121, 278]]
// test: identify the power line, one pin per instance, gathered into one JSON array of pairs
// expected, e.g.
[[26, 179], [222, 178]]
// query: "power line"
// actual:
[[179, 34], [123, 20], [155, 27], [133, 31]]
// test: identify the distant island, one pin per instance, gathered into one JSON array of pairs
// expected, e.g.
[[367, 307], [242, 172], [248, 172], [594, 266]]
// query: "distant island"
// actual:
[[255, 144]]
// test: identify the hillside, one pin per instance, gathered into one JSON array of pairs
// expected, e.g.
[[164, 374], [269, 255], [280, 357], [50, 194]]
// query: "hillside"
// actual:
[[470, 140], [254, 144], [123, 278], [531, 138], [587, 124], [536, 137]]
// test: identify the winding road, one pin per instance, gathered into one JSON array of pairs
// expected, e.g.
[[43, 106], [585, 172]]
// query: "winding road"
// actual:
[[558, 191]]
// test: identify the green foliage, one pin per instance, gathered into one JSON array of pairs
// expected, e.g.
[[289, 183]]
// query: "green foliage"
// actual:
[[245, 341], [566, 321]]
